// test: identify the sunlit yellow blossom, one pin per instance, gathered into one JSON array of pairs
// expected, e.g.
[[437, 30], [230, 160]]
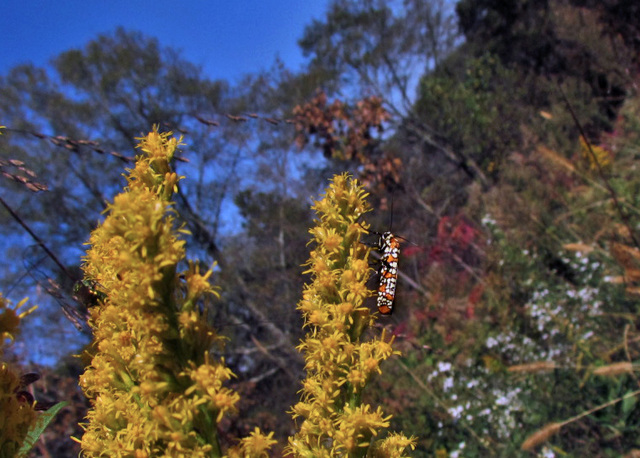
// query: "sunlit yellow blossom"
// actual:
[[17, 417], [392, 446], [257, 445], [153, 387], [198, 284], [10, 319], [332, 420]]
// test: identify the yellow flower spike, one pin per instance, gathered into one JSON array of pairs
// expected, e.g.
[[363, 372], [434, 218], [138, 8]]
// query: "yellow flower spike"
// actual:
[[256, 445], [153, 388], [333, 421], [17, 417]]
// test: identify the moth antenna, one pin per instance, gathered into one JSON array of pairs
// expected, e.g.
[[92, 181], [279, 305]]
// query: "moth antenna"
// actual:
[[391, 215]]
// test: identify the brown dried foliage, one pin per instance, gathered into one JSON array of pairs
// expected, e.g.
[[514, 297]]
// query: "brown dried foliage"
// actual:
[[17, 171], [614, 369], [541, 436], [539, 366], [345, 133]]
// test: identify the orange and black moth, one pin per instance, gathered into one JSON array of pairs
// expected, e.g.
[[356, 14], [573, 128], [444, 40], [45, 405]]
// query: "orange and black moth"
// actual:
[[389, 247]]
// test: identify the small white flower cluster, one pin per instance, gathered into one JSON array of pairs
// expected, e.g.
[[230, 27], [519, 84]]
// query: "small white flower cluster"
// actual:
[[546, 452], [457, 453], [488, 221], [555, 309], [477, 401]]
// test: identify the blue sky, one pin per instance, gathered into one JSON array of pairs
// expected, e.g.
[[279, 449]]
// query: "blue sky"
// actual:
[[227, 38]]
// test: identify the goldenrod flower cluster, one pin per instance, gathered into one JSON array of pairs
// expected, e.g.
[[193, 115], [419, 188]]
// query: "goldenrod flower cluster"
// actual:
[[17, 417], [338, 363], [154, 388], [257, 445]]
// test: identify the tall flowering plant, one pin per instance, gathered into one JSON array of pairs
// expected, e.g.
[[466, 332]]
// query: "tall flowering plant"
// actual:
[[154, 387], [339, 361], [17, 416]]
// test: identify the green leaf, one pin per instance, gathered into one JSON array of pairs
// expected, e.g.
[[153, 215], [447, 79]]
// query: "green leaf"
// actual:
[[43, 420], [628, 404]]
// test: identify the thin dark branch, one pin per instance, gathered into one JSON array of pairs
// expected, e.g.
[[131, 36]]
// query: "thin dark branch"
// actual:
[[616, 202], [37, 239]]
